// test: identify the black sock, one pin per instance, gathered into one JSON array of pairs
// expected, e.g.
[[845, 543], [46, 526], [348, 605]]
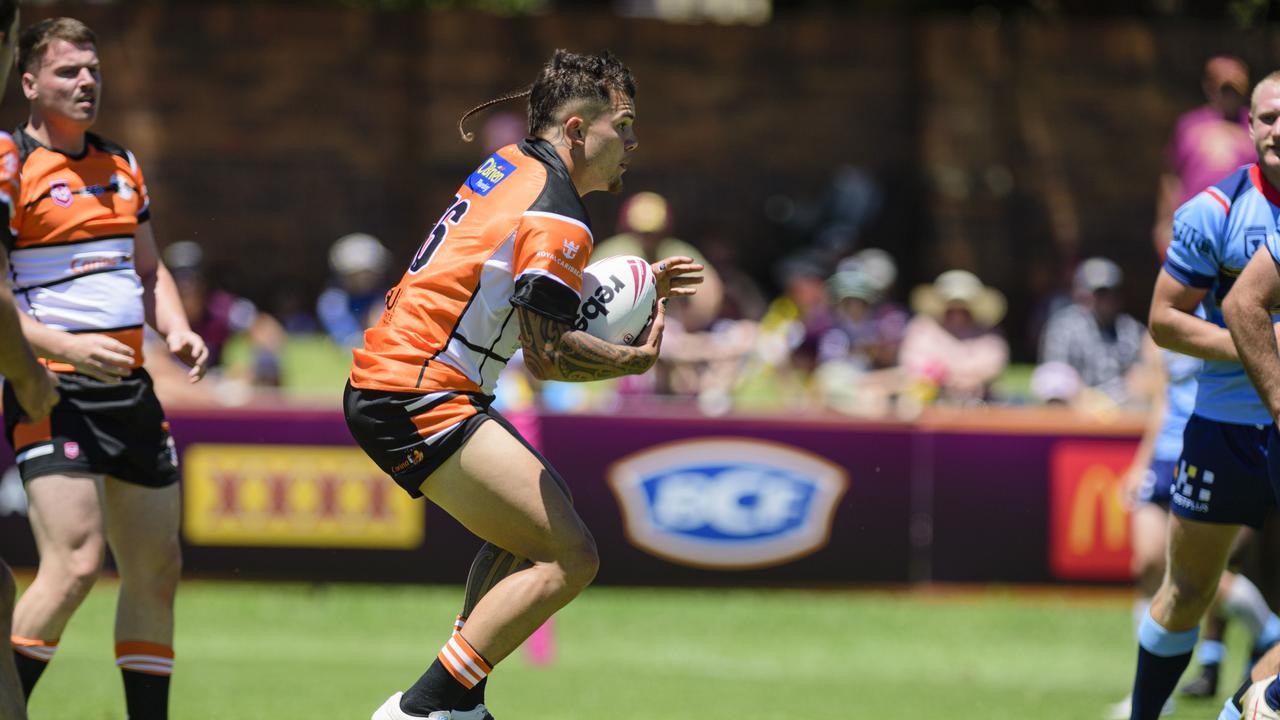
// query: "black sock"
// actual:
[[1238, 698], [145, 695], [29, 671], [435, 690], [473, 697], [1157, 675]]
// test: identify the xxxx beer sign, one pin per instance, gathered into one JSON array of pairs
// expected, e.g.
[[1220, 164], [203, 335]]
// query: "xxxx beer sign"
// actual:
[[1088, 521], [294, 496]]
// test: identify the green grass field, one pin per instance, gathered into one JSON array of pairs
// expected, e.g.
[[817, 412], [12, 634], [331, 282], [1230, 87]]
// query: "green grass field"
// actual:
[[337, 651]]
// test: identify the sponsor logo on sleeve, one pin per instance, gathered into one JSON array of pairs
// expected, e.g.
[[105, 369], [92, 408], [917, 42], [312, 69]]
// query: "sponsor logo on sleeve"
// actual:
[[571, 249], [491, 172], [727, 503], [561, 263]]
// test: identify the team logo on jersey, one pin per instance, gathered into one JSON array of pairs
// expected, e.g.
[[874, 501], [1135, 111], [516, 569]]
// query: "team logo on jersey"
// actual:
[[489, 174], [60, 192], [727, 503], [571, 249]]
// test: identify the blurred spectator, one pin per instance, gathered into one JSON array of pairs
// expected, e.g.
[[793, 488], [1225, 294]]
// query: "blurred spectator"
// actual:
[[1207, 144], [645, 225], [743, 298], [878, 265], [857, 357], [1092, 335], [1055, 383], [802, 315], [950, 350], [217, 316], [355, 297], [786, 340], [294, 310], [868, 330]]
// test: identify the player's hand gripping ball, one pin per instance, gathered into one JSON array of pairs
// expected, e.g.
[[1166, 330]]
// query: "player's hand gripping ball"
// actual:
[[619, 297]]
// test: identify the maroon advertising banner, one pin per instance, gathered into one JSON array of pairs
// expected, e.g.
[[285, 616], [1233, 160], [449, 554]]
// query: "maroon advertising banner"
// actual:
[[669, 499]]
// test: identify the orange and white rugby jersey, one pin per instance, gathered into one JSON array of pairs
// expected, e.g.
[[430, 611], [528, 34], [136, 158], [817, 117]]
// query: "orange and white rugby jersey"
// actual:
[[517, 233], [70, 243], [9, 162]]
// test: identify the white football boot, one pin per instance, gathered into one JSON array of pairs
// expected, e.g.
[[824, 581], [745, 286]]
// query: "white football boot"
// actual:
[[479, 712], [390, 710], [1255, 704]]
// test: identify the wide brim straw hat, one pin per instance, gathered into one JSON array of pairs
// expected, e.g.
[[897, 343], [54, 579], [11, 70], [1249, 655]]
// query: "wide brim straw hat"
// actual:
[[986, 304]]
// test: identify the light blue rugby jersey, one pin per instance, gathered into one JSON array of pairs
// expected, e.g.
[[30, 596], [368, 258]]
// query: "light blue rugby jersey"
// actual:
[[1214, 235], [1181, 400]]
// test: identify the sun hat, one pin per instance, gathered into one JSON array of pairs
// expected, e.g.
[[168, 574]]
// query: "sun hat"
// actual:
[[986, 304]]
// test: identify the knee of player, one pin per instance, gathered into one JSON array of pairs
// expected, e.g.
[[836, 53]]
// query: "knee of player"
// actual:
[[162, 568], [580, 562], [1192, 591], [81, 572]]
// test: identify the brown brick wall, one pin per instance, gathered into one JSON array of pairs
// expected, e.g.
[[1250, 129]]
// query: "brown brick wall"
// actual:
[[1011, 148]]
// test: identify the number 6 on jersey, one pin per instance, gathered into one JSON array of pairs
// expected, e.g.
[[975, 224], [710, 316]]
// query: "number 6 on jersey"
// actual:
[[451, 217]]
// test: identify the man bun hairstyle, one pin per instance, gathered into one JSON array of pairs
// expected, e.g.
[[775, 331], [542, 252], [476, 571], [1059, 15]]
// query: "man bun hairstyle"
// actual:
[[36, 39], [567, 77]]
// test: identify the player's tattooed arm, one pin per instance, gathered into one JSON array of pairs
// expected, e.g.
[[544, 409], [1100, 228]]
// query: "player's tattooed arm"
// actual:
[[553, 351]]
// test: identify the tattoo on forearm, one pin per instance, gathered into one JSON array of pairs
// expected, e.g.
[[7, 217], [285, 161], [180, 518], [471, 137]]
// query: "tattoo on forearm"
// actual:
[[553, 350]]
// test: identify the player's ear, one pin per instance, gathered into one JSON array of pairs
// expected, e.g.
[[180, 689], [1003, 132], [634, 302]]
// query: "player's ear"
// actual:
[[29, 85], [575, 129]]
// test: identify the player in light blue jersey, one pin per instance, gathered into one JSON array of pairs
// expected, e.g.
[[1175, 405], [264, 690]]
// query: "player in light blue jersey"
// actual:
[[1149, 484], [1222, 481], [1249, 309]]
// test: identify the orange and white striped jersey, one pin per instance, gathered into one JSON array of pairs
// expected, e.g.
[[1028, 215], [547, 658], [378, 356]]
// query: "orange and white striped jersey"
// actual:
[[516, 233], [70, 245], [9, 172]]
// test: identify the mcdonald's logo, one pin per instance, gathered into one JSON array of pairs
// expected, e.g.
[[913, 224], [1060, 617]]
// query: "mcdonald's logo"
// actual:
[[294, 496], [1088, 522]]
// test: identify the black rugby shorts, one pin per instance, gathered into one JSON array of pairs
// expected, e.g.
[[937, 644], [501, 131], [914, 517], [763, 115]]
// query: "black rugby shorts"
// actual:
[[104, 429]]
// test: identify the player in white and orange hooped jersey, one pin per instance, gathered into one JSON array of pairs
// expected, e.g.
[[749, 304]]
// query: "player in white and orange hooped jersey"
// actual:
[[101, 468], [34, 388], [500, 272]]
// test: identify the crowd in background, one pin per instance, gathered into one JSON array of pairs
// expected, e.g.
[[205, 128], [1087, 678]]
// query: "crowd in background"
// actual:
[[837, 335], [832, 330]]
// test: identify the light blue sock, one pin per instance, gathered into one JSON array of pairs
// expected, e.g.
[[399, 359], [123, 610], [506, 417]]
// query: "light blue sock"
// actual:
[[1270, 633], [1229, 711], [1211, 652], [1158, 641]]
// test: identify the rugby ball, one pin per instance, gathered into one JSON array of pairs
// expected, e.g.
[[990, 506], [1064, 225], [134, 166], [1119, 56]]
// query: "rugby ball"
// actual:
[[619, 296]]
